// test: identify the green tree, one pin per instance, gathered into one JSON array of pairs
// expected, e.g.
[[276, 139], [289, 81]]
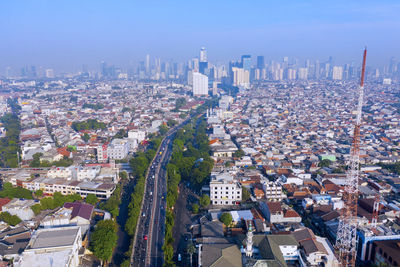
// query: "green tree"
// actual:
[[190, 249], [39, 193], [239, 153], [123, 175], [163, 129], [37, 208], [85, 137], [104, 239], [195, 208], [204, 200], [226, 218], [10, 219], [245, 194], [324, 163], [91, 199]]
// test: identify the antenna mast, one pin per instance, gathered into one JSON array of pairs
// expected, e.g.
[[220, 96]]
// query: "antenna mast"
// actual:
[[346, 237]]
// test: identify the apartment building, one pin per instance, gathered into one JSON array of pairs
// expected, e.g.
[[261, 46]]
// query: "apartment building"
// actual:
[[225, 189]]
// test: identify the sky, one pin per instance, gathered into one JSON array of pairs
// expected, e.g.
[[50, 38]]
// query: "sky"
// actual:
[[65, 34]]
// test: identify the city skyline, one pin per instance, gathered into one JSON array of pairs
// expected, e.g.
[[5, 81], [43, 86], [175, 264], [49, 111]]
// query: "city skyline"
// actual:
[[66, 35]]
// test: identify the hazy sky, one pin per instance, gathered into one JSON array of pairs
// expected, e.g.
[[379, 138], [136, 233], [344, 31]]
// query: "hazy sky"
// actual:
[[64, 34]]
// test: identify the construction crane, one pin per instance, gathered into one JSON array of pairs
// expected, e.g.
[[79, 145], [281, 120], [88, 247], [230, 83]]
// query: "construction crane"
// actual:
[[346, 237]]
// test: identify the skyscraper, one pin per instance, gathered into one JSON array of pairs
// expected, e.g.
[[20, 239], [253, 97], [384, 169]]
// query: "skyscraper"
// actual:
[[203, 54], [260, 62], [337, 73], [246, 62], [147, 66], [203, 64], [241, 77], [200, 84]]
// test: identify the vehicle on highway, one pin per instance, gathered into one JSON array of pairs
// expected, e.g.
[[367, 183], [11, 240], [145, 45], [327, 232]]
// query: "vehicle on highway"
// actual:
[[179, 257]]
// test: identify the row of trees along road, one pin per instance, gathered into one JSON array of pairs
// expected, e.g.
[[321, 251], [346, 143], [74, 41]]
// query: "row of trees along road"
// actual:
[[9, 145], [191, 162]]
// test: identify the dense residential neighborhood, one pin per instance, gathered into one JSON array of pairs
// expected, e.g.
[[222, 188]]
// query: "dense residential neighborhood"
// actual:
[[146, 170]]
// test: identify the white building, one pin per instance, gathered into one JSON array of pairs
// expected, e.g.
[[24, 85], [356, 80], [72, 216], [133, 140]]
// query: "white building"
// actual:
[[273, 191], [140, 135], [118, 149], [20, 208], [225, 190], [52, 247], [200, 84], [241, 77], [337, 73], [102, 153], [303, 73]]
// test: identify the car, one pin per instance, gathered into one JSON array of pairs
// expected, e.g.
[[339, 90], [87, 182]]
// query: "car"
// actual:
[[145, 237], [179, 257]]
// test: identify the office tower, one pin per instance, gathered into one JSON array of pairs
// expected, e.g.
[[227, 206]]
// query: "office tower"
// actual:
[[241, 77], [392, 66], [291, 74], [317, 69], [203, 54], [147, 66], [260, 62], [277, 74], [32, 73], [303, 73], [286, 60], [200, 84], [103, 66], [246, 62], [337, 73], [195, 64], [8, 72], [49, 73]]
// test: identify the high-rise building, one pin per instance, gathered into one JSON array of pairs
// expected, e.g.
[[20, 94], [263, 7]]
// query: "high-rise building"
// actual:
[[147, 66], [260, 62], [246, 62], [200, 84], [203, 54], [337, 73], [303, 73], [241, 77], [49, 73]]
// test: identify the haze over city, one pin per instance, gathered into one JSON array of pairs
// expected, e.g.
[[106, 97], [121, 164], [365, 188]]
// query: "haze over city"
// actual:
[[63, 35], [199, 133]]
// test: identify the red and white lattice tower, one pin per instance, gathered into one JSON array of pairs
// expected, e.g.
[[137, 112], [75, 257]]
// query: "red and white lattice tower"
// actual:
[[346, 238]]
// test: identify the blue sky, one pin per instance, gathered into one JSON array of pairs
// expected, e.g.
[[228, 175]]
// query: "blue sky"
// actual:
[[64, 34]]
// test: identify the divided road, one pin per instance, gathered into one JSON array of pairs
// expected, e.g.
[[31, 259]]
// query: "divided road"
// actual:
[[147, 250]]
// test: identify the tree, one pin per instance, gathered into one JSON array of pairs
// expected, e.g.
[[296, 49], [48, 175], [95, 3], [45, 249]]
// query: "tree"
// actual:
[[39, 193], [190, 249], [104, 239], [239, 153], [123, 175], [324, 163], [163, 129], [91, 199], [195, 208], [85, 137], [226, 218], [245, 194], [10, 219], [204, 200]]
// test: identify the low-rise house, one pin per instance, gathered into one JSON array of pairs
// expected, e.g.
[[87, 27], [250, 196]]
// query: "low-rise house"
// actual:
[[20, 208], [52, 247], [13, 242]]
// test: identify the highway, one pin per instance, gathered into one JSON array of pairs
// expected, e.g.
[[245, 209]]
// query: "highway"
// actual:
[[148, 242]]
